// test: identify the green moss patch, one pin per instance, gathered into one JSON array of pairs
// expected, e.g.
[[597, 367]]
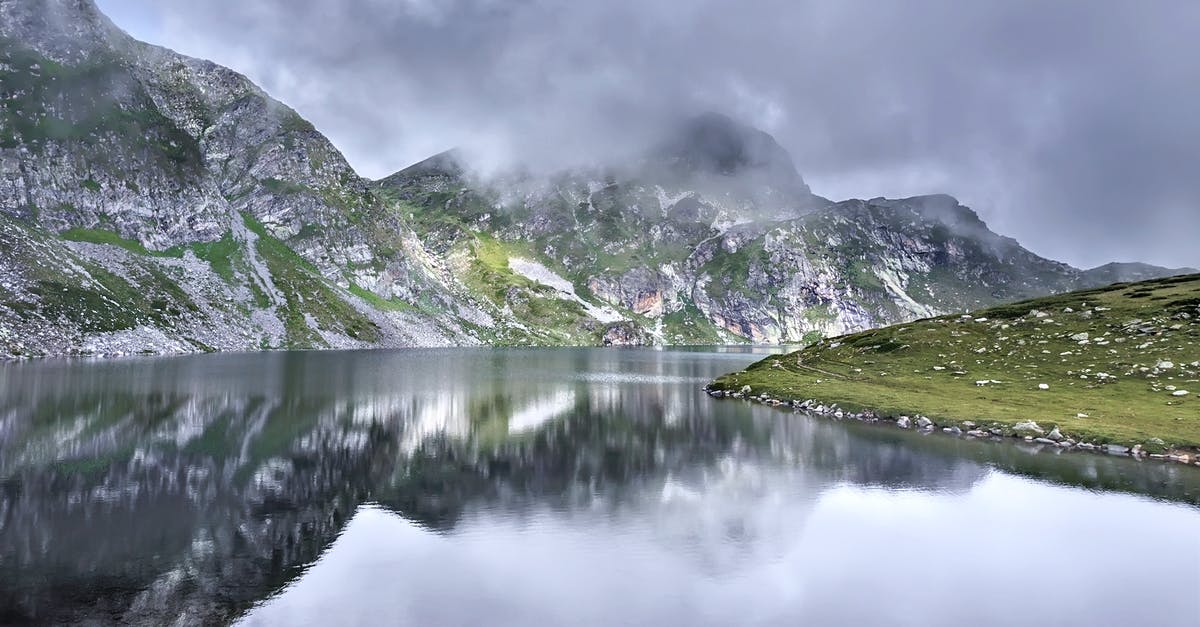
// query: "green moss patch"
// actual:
[[1121, 383]]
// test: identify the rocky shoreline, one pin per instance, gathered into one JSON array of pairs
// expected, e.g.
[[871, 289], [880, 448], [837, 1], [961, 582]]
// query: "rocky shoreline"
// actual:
[[1026, 431]]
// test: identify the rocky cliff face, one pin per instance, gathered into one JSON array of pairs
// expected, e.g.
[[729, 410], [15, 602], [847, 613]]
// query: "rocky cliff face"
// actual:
[[695, 262], [151, 202]]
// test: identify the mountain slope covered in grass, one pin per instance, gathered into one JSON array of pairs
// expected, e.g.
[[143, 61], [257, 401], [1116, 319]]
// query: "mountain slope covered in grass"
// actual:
[[1118, 364]]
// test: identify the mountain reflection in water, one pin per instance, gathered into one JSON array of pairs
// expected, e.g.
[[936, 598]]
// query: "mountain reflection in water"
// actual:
[[196, 487]]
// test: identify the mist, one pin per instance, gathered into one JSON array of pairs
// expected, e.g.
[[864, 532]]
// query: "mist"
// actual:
[[1069, 126]]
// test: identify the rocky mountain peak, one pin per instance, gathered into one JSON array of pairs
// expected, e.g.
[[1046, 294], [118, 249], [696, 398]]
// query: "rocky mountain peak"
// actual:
[[448, 163], [1118, 272], [714, 143], [732, 164], [66, 31], [942, 209]]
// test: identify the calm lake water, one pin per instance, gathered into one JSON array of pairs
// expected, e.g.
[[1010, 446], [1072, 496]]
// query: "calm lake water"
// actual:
[[571, 486]]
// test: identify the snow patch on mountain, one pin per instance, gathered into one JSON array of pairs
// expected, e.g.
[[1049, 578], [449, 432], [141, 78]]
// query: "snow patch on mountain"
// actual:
[[539, 273]]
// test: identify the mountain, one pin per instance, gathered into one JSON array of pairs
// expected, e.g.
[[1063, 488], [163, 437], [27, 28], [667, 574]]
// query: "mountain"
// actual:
[[685, 265], [1110, 273], [151, 202]]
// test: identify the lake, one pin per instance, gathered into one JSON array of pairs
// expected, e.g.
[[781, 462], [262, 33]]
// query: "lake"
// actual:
[[548, 486]]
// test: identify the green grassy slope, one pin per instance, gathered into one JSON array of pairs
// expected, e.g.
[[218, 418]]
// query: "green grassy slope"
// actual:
[[1107, 365]]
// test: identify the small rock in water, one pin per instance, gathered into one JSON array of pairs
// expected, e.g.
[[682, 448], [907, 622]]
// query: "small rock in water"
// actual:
[[953, 430], [1055, 434], [1116, 449], [924, 422], [1045, 441], [745, 389], [903, 422]]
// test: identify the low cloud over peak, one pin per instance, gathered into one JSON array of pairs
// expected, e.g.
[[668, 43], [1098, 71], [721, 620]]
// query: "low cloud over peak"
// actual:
[[1066, 125]]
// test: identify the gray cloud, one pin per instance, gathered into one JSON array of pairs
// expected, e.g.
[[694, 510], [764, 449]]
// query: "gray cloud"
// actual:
[[1068, 125]]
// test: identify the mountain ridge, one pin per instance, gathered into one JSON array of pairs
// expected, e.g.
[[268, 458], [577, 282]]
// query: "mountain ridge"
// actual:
[[152, 202]]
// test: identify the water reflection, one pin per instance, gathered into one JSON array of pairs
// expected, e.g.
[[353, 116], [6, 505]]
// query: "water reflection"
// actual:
[[146, 490]]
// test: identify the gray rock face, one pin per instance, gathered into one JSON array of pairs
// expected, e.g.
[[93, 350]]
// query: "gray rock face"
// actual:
[[229, 222], [623, 334], [151, 202]]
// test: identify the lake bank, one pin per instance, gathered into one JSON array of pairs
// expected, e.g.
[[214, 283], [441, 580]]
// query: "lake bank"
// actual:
[[1115, 368]]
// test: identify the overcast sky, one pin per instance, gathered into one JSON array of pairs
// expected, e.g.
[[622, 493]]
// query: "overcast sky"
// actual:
[[1072, 126]]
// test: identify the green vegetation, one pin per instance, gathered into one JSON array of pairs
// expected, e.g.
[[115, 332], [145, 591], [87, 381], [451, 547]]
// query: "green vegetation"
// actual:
[[729, 271], [279, 186], [559, 321], [222, 254], [99, 308], [104, 236], [1122, 382], [91, 105], [690, 326], [307, 296], [380, 303], [863, 276]]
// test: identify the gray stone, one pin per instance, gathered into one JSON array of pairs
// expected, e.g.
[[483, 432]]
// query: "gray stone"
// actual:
[[1054, 434], [1028, 427], [903, 422], [923, 422]]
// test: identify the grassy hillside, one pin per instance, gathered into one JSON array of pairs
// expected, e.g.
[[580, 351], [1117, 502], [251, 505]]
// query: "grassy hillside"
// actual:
[[1118, 364]]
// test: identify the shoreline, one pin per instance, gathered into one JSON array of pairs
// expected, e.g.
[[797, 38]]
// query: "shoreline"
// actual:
[[1025, 431]]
